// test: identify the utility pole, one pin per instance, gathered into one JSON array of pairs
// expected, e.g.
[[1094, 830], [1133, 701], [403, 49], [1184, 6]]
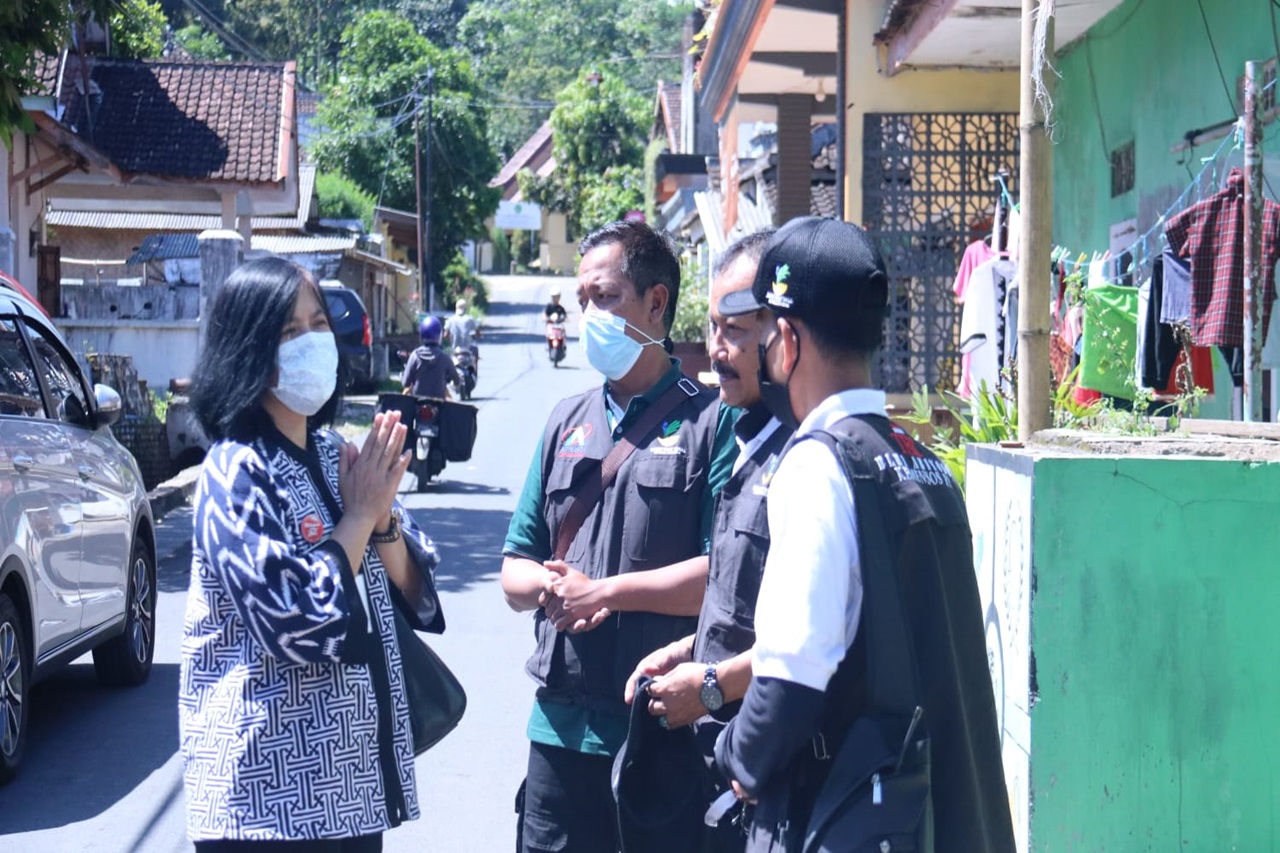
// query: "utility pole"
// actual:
[[417, 188], [1253, 202], [429, 298], [1036, 179]]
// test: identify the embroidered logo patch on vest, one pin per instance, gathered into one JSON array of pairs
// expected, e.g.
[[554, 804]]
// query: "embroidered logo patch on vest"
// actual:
[[573, 441], [312, 528]]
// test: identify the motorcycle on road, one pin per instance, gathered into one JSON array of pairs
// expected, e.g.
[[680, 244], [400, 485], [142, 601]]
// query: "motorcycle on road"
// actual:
[[440, 431], [465, 362], [555, 342]]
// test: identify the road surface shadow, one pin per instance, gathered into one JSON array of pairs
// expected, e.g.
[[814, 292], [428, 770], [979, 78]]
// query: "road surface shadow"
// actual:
[[501, 309], [501, 337], [77, 731], [457, 487], [470, 543]]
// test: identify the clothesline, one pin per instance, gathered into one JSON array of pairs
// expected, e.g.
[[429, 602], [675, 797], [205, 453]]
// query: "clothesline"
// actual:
[[1139, 249]]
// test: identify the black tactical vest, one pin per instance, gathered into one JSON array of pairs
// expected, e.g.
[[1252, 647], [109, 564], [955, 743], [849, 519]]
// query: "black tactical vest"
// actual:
[[648, 518], [926, 527], [739, 544]]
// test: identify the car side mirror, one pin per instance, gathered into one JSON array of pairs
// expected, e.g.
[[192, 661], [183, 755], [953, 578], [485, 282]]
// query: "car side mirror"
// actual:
[[110, 406]]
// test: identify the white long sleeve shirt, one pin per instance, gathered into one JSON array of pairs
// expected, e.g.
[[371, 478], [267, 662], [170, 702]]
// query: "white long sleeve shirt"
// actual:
[[811, 594]]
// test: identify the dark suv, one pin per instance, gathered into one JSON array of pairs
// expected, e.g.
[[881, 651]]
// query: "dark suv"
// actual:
[[351, 328]]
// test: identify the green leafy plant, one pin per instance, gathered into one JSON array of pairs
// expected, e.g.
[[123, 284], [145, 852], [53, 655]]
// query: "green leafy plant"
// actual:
[[690, 322], [989, 418]]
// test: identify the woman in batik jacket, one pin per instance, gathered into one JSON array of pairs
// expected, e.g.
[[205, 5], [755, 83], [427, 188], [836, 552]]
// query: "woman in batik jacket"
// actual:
[[292, 710]]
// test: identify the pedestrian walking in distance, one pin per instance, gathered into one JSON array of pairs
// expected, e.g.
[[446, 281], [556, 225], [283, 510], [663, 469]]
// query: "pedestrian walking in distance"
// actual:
[[294, 727]]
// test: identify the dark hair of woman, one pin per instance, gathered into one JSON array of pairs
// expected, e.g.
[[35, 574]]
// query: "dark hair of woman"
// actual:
[[238, 363]]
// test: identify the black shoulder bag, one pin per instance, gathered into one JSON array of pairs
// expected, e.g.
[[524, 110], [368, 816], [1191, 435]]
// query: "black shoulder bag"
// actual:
[[876, 797]]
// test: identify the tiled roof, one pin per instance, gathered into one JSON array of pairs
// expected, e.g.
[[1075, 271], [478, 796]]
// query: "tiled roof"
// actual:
[[165, 247], [189, 120], [118, 221], [521, 159], [670, 104]]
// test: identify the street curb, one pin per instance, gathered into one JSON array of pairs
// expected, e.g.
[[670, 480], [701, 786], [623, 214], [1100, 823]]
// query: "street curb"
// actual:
[[174, 492]]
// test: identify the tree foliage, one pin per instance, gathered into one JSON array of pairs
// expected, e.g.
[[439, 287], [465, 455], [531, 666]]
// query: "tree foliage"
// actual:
[[137, 29], [29, 29], [598, 132], [369, 128], [200, 43], [525, 51], [339, 197]]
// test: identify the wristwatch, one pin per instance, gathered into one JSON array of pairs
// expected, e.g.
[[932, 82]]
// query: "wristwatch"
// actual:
[[391, 534], [712, 698]]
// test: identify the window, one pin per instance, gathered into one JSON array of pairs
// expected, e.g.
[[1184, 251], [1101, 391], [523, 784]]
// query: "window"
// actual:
[[63, 379], [1122, 170], [19, 389]]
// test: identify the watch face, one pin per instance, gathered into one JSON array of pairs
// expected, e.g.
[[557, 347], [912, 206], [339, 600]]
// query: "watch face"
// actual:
[[711, 697]]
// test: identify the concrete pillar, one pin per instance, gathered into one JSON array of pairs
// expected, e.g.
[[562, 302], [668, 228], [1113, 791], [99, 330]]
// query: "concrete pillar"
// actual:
[[219, 255], [795, 166], [228, 211]]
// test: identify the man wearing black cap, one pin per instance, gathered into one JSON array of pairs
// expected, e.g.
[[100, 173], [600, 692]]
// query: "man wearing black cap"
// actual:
[[826, 285]]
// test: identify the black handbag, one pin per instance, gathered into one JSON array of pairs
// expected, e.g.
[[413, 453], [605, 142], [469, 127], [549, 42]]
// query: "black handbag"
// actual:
[[435, 696], [877, 795]]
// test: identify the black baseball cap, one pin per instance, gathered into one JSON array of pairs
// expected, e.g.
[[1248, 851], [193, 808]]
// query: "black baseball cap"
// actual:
[[819, 270]]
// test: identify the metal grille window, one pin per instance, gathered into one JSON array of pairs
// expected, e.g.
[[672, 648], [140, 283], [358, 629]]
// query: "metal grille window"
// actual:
[[927, 193], [1122, 170]]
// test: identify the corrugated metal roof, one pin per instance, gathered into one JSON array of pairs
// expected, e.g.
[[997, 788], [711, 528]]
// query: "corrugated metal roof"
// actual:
[[303, 245], [166, 247], [120, 221]]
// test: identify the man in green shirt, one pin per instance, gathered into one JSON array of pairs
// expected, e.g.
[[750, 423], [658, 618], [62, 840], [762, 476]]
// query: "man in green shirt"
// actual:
[[633, 576]]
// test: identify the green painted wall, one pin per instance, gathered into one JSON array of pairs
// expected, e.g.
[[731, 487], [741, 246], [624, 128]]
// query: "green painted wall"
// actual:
[[1156, 633], [1145, 73]]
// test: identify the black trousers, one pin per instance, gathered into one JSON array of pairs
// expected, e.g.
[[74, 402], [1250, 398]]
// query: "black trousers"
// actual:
[[360, 844], [568, 803]]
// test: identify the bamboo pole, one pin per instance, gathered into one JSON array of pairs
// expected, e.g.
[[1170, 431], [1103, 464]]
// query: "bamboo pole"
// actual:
[[1036, 179], [1253, 199]]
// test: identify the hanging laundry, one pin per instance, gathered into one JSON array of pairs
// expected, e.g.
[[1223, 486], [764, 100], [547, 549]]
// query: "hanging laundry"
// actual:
[[1109, 351], [1175, 298], [982, 326], [977, 254], [1211, 235]]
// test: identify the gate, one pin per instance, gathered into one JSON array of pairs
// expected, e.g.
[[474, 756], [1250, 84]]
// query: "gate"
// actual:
[[928, 190]]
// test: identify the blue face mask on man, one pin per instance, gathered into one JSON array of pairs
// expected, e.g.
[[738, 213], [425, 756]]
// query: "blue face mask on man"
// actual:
[[609, 348]]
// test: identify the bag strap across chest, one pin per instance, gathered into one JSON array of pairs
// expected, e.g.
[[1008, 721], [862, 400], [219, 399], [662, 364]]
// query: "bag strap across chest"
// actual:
[[591, 487]]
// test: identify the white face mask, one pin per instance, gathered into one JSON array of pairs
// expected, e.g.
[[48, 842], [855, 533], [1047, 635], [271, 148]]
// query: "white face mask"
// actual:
[[610, 349], [308, 367]]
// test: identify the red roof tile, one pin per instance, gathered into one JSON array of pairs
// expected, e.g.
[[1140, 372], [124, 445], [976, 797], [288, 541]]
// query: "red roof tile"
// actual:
[[191, 120], [669, 103], [524, 158]]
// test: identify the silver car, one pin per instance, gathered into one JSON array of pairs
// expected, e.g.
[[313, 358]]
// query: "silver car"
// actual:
[[77, 543]]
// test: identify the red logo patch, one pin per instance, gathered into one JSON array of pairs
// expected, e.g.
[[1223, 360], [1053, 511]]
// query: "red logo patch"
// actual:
[[312, 529]]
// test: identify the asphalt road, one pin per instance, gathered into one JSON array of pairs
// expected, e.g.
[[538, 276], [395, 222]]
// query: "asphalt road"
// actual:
[[101, 771]]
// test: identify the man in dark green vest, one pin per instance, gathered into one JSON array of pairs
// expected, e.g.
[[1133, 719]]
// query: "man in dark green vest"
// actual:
[[632, 578]]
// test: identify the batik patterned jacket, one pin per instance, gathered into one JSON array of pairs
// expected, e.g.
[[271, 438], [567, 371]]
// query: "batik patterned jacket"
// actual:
[[284, 674]]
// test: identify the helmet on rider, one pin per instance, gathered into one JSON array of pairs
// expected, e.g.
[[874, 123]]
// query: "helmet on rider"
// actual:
[[429, 330], [460, 306], [555, 293]]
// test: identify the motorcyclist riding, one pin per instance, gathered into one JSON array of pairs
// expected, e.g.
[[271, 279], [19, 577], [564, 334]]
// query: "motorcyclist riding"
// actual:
[[429, 369], [462, 330], [554, 312]]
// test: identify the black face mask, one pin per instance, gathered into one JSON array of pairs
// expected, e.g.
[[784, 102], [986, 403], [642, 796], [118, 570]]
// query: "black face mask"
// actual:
[[776, 396]]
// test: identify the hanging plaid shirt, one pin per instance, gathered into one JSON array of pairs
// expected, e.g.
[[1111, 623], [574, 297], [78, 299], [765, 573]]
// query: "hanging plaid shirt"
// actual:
[[1211, 235]]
